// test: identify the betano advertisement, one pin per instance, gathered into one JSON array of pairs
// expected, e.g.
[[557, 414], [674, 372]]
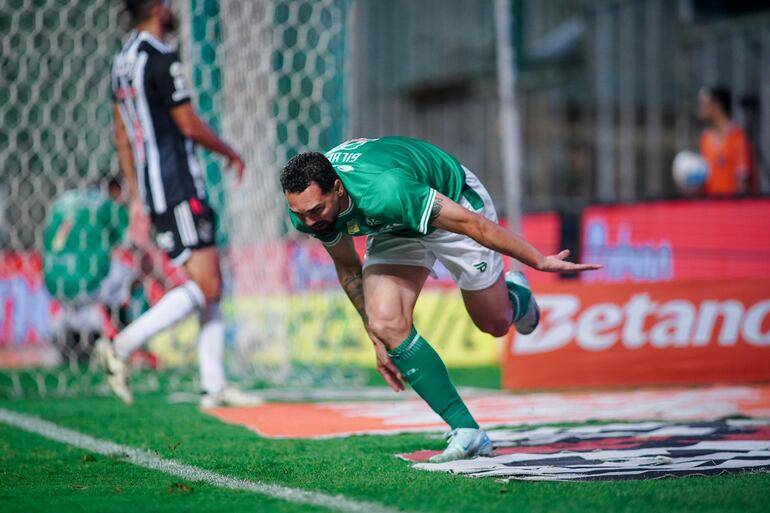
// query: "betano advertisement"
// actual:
[[684, 297], [696, 331]]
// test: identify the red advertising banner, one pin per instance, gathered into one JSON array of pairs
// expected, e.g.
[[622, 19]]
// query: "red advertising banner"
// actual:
[[542, 230], [675, 240], [699, 331]]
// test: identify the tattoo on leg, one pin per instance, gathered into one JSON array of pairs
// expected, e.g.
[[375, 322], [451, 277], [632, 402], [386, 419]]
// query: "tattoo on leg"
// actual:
[[435, 210]]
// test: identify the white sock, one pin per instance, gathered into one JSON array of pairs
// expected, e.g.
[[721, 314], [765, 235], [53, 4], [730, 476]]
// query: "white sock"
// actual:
[[211, 345], [172, 308]]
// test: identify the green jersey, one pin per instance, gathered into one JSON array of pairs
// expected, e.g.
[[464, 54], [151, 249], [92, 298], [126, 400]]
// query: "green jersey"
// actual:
[[392, 183], [82, 229]]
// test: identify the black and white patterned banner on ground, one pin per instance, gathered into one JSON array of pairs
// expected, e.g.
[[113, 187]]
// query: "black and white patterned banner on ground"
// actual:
[[645, 450]]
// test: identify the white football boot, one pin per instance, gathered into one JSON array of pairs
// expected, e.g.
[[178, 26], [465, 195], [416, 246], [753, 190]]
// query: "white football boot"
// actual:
[[527, 315], [116, 369], [465, 443], [230, 396]]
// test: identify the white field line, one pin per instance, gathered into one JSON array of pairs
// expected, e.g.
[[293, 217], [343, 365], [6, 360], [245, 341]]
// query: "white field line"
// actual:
[[150, 460]]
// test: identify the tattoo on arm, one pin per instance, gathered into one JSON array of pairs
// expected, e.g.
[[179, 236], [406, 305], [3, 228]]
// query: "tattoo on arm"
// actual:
[[435, 210], [354, 287]]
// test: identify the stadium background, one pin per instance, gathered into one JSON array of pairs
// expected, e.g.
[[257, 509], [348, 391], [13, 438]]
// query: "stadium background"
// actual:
[[578, 157], [571, 112]]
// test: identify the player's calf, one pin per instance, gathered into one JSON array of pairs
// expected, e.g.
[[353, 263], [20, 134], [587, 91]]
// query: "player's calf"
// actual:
[[496, 326], [423, 368], [203, 268]]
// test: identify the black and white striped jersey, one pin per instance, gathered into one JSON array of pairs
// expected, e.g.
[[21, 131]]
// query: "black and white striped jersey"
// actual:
[[147, 82]]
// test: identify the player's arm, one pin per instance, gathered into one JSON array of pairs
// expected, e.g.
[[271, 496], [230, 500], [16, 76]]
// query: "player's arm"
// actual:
[[350, 273], [125, 156], [448, 215], [166, 73], [139, 231], [347, 263], [193, 127]]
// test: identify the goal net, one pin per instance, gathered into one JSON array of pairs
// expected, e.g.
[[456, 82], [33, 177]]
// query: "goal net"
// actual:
[[268, 75]]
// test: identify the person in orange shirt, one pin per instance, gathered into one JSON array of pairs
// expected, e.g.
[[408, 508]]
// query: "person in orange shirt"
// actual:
[[723, 144]]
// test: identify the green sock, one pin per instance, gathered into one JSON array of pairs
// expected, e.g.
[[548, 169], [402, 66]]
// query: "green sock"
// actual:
[[423, 369], [520, 297]]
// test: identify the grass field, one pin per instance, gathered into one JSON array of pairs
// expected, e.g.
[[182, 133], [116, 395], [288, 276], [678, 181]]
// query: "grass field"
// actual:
[[38, 474]]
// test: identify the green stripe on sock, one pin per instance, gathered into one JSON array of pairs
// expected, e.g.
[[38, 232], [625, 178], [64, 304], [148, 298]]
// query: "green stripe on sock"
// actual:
[[423, 369]]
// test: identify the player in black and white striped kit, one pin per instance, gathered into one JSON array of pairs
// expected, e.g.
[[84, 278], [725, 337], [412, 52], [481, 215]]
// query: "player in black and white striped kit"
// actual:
[[156, 131]]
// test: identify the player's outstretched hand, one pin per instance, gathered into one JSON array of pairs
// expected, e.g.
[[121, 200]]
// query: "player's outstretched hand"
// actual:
[[386, 367], [557, 264], [235, 162]]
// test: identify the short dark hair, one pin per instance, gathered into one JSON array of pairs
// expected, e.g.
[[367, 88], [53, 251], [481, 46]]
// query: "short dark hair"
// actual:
[[305, 168], [722, 96], [140, 10]]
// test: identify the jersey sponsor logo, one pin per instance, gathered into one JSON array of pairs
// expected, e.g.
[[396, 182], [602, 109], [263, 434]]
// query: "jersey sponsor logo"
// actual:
[[165, 241], [481, 266], [645, 450], [61, 235], [353, 228]]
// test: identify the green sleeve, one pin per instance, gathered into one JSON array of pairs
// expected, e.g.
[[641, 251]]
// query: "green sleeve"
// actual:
[[329, 239], [398, 198]]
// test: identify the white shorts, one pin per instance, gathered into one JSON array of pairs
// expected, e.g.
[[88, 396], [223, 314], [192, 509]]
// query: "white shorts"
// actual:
[[472, 266]]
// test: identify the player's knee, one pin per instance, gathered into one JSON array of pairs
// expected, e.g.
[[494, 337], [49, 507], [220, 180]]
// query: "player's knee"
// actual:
[[497, 327], [391, 329]]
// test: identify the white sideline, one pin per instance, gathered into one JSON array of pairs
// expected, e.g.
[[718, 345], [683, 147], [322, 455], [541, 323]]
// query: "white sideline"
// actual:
[[152, 461]]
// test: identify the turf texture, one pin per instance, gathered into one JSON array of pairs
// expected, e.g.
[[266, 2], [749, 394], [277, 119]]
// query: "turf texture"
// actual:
[[37, 474]]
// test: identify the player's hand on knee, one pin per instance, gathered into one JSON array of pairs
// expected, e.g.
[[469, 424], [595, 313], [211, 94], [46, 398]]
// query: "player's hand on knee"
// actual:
[[386, 368]]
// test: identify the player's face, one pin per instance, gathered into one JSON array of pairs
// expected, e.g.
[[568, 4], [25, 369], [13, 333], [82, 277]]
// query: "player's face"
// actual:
[[317, 210], [168, 18]]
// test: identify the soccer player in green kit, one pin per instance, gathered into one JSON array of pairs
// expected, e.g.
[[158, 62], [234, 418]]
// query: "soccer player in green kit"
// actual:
[[416, 203], [82, 229]]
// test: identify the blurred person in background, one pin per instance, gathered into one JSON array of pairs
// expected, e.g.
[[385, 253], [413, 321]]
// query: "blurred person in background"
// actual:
[[88, 268], [156, 133], [725, 146]]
